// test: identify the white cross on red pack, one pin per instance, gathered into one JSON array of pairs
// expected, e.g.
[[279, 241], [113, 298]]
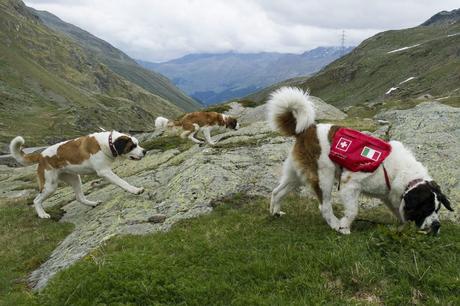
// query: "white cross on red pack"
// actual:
[[343, 144]]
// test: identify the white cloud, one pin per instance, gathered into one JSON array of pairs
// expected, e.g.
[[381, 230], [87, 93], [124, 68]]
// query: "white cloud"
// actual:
[[158, 30]]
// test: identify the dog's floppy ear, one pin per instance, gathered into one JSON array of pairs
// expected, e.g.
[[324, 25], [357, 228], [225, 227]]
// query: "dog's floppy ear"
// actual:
[[231, 122], [123, 144], [411, 199], [441, 197]]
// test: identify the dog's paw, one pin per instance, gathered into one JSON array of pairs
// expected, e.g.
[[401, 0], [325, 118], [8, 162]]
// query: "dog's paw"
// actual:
[[344, 230], [44, 215], [138, 190], [278, 213], [92, 203]]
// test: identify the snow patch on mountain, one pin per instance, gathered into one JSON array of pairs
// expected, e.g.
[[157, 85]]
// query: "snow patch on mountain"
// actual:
[[391, 90], [404, 48]]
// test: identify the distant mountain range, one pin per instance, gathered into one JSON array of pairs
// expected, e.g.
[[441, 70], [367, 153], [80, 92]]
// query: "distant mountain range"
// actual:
[[397, 64], [216, 77], [58, 81]]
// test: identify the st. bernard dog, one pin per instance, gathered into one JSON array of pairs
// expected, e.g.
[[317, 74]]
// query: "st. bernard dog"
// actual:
[[65, 161], [412, 196], [194, 122]]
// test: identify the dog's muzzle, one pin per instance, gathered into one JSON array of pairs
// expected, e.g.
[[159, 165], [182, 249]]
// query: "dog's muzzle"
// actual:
[[435, 226]]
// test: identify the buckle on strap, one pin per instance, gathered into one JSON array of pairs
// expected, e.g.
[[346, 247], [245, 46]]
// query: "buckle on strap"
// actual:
[[111, 146]]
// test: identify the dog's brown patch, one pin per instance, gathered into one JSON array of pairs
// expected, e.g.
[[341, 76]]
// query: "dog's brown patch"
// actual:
[[31, 158], [201, 119], [306, 153], [41, 175], [332, 131], [73, 152], [286, 123]]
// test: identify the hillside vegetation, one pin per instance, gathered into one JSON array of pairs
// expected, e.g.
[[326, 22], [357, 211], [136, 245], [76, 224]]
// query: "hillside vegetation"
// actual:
[[51, 88], [416, 61], [119, 62]]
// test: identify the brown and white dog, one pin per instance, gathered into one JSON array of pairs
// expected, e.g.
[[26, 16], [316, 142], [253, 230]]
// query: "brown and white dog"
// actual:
[[194, 122], [65, 161], [412, 194]]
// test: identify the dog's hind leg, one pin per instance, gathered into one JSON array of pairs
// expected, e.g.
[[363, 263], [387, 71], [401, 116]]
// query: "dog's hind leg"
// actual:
[[185, 134], [49, 187], [288, 182], [192, 137], [75, 181]]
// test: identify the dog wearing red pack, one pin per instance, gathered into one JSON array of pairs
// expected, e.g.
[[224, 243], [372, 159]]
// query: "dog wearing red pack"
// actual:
[[325, 153]]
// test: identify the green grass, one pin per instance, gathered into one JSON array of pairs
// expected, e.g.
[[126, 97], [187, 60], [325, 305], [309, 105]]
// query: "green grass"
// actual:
[[248, 103], [219, 108], [251, 142], [451, 101], [238, 255], [366, 111], [358, 123], [26, 241], [167, 143]]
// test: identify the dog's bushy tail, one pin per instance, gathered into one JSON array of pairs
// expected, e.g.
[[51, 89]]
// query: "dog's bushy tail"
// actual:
[[290, 111], [21, 157]]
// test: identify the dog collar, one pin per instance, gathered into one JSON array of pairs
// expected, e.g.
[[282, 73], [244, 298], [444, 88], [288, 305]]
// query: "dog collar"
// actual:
[[112, 147], [411, 185]]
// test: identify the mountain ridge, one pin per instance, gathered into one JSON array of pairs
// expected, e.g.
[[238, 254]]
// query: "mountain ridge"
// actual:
[[391, 65], [216, 77]]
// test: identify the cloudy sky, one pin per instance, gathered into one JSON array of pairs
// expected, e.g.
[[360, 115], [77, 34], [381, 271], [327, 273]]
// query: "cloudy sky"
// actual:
[[159, 30]]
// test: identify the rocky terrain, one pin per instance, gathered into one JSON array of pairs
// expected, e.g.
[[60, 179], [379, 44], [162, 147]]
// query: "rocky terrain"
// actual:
[[186, 183]]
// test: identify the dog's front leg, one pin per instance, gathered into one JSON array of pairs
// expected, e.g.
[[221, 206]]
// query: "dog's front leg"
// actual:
[[207, 135], [349, 195], [115, 179]]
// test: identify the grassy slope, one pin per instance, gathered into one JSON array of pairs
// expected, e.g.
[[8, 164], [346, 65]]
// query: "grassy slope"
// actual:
[[238, 255], [26, 243], [120, 63], [369, 71], [51, 87]]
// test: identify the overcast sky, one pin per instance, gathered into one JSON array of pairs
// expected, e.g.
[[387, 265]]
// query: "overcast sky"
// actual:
[[159, 30]]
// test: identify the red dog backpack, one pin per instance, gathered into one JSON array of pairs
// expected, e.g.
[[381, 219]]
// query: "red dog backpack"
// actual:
[[357, 151]]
